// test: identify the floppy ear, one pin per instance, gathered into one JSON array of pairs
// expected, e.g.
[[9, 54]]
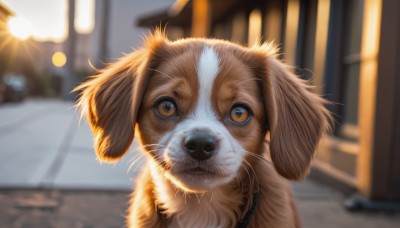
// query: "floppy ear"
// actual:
[[111, 99], [297, 119]]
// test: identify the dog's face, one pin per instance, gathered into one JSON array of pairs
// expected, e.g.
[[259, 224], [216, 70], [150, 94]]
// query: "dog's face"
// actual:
[[201, 115], [202, 109]]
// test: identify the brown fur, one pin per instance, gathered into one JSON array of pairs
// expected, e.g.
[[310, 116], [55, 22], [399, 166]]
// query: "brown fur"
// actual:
[[175, 78], [123, 94]]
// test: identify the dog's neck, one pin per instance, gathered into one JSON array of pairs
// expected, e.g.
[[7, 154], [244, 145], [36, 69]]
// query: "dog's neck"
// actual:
[[220, 207]]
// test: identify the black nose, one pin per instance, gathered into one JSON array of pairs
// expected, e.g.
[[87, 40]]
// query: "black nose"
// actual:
[[200, 147]]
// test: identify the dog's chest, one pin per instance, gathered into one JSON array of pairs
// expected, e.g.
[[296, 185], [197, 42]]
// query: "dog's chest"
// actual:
[[208, 210], [216, 208]]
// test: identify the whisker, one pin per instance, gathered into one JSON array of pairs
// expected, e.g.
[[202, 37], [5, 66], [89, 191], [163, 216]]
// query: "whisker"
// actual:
[[160, 163], [251, 167], [138, 158], [247, 171], [132, 163], [154, 144], [154, 150], [143, 147], [255, 175], [135, 157], [259, 157]]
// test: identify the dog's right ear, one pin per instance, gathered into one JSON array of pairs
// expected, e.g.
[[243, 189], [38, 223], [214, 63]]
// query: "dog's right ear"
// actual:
[[111, 99]]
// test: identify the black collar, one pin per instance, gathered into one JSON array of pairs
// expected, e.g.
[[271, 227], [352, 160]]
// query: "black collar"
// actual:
[[246, 220]]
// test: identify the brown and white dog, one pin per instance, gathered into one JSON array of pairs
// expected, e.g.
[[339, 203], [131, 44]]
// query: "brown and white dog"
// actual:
[[202, 109]]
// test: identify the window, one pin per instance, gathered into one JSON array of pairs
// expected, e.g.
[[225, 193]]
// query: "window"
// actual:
[[343, 66], [351, 70]]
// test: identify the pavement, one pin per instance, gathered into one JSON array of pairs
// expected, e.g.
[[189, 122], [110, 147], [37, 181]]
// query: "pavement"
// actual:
[[49, 177], [44, 145]]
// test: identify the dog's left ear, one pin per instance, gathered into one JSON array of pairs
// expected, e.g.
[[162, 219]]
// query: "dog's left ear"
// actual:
[[112, 98], [296, 117]]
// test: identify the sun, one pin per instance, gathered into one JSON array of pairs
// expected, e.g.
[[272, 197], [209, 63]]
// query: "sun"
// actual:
[[20, 27]]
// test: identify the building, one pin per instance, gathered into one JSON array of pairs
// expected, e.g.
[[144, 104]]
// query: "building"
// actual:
[[349, 49], [113, 34]]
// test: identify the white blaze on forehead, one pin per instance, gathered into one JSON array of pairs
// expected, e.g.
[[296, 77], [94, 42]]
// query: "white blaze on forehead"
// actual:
[[208, 67], [207, 71]]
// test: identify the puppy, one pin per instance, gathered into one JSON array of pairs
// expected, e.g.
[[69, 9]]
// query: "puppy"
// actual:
[[203, 110]]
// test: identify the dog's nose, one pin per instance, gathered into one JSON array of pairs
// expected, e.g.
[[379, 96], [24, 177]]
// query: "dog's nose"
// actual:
[[200, 147]]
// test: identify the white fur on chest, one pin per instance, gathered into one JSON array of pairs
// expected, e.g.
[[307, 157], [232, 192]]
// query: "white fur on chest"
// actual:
[[209, 209], [201, 211]]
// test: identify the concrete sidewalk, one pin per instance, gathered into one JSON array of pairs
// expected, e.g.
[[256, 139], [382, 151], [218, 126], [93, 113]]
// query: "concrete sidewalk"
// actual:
[[44, 146], [49, 174]]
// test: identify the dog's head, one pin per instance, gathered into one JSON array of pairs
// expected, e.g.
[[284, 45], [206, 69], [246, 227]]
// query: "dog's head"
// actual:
[[202, 109]]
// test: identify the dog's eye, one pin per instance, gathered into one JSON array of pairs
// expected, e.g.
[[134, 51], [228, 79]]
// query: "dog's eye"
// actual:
[[166, 108], [239, 114]]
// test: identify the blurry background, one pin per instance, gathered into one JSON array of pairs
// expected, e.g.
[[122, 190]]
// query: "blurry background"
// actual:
[[349, 50]]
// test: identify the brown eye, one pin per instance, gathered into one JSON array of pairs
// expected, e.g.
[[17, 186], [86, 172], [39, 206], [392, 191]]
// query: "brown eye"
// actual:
[[166, 108], [239, 114]]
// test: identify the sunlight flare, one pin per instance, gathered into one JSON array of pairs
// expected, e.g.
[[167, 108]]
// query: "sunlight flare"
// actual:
[[20, 28]]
